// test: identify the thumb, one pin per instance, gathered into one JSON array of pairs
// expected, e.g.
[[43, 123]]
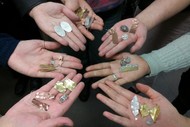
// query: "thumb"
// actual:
[[147, 90]]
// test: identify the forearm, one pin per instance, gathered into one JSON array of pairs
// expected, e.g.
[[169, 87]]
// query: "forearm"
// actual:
[[161, 10], [175, 55], [24, 6]]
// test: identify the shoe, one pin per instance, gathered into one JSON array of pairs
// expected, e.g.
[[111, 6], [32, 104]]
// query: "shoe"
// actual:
[[35, 83], [85, 93], [21, 85]]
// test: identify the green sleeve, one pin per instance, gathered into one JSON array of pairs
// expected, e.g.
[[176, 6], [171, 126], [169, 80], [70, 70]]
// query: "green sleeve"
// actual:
[[175, 55]]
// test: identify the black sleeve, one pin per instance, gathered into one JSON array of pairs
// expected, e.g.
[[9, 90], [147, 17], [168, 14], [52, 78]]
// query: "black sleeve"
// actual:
[[24, 6], [7, 47]]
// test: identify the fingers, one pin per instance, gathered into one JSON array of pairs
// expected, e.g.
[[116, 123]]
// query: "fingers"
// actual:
[[66, 61], [50, 84], [53, 91], [50, 45], [70, 14], [85, 32], [98, 66], [138, 45], [74, 77], [98, 73], [70, 34], [115, 92], [108, 48], [110, 78], [116, 118], [122, 91]]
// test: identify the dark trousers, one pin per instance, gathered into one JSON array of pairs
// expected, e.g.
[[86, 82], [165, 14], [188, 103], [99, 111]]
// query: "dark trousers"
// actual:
[[182, 101]]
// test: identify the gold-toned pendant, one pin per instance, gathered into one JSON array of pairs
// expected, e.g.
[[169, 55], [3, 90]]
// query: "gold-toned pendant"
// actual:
[[114, 36], [60, 87], [47, 67], [69, 84], [144, 110], [154, 113], [129, 67], [81, 13]]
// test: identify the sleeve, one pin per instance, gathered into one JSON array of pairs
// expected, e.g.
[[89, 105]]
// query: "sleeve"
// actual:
[[174, 56], [24, 6], [8, 45]]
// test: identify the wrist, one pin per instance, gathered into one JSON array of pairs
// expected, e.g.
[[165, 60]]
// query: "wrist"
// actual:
[[4, 122]]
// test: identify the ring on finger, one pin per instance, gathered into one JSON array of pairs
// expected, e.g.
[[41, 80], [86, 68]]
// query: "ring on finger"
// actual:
[[114, 77]]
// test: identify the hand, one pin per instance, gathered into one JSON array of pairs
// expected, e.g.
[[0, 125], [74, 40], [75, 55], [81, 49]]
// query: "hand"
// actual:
[[30, 54], [97, 24], [120, 99], [48, 15], [25, 114], [108, 69], [137, 39]]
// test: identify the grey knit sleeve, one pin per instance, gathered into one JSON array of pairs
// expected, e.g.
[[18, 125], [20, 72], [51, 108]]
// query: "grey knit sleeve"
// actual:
[[175, 55]]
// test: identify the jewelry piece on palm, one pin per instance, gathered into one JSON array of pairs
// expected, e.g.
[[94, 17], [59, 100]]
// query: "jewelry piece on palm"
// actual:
[[40, 105], [134, 26], [124, 28], [114, 36], [47, 67], [114, 77], [82, 13], [129, 67], [59, 31], [66, 26], [44, 96]]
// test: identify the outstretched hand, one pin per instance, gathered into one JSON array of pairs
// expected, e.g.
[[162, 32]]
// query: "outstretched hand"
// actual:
[[107, 70], [25, 114], [134, 40], [29, 55], [97, 23], [119, 100], [48, 15]]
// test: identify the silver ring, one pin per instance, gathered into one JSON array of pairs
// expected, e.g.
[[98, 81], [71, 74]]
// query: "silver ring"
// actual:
[[114, 77], [124, 37]]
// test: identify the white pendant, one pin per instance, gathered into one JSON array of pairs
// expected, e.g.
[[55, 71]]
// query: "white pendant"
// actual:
[[135, 106], [65, 26], [59, 31]]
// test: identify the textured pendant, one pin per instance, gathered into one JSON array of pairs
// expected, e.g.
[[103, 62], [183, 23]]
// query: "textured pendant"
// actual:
[[59, 31], [129, 67], [60, 87], [124, 28], [66, 26], [135, 106], [69, 84], [154, 113], [47, 68]]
